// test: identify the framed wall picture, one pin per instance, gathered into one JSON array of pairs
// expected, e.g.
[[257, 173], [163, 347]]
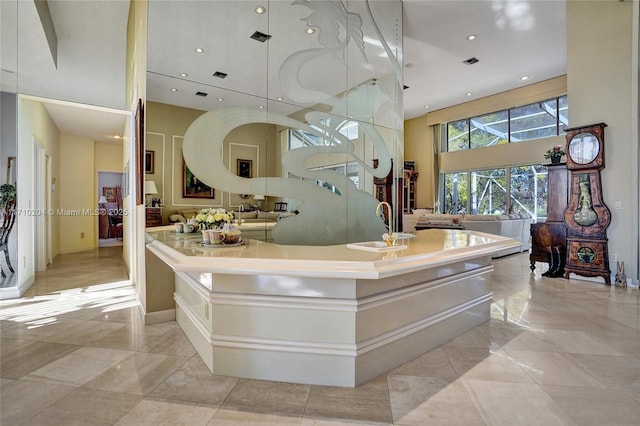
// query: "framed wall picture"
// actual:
[[139, 169], [110, 193], [244, 168], [192, 187], [149, 162]]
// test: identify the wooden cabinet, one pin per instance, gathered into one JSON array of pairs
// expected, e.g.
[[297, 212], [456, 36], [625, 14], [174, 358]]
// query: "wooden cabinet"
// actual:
[[553, 232], [153, 216], [409, 188]]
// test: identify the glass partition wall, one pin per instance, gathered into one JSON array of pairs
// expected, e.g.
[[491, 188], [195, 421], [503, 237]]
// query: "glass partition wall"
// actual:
[[8, 140], [278, 109]]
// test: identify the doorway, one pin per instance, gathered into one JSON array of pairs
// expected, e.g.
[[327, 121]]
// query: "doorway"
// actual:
[[110, 225]]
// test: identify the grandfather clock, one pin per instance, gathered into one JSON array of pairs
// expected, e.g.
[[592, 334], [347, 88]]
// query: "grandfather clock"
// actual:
[[586, 216]]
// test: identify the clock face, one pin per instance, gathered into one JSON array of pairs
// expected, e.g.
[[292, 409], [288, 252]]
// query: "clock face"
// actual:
[[584, 148]]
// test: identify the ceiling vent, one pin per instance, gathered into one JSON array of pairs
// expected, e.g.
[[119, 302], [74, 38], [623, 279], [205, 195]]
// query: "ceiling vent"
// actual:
[[220, 74], [261, 37], [203, 94], [471, 61]]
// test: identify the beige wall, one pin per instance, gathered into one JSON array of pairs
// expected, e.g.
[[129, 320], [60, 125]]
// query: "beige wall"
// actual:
[[77, 185], [166, 126], [34, 123], [600, 82], [108, 157]]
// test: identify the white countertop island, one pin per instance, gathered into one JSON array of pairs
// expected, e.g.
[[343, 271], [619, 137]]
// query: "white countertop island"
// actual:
[[328, 315]]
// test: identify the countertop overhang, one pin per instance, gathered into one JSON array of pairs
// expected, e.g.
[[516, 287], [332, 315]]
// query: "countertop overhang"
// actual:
[[429, 249]]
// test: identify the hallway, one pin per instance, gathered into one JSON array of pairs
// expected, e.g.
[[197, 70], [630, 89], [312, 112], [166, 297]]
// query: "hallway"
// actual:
[[74, 350]]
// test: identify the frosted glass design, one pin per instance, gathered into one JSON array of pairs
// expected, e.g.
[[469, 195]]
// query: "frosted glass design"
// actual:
[[324, 217]]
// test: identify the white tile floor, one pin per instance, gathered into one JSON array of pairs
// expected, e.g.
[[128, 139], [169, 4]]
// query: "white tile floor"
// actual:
[[556, 352]]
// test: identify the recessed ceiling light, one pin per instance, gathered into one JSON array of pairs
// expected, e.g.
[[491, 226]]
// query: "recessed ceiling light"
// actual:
[[199, 50], [174, 89], [311, 30], [260, 10], [220, 99], [184, 74], [117, 136], [261, 107], [524, 77], [426, 107], [469, 93], [471, 37], [280, 99]]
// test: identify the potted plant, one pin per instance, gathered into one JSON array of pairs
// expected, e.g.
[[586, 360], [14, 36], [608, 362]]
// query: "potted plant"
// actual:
[[7, 192], [554, 154]]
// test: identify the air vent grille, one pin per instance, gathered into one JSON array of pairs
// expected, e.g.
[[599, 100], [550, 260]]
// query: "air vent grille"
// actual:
[[220, 74], [470, 61], [203, 94]]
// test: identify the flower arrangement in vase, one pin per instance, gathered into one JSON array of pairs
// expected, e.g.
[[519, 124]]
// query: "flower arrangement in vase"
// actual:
[[213, 218], [554, 154]]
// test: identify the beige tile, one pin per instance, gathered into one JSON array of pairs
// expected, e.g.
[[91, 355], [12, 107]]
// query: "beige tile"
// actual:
[[21, 400], [311, 421], [497, 365], [40, 330], [138, 373], [78, 367], [84, 332], [173, 342], [474, 338], [24, 359], [132, 337], [194, 382], [259, 396], [531, 340], [616, 373], [224, 417], [522, 404], [580, 342], [86, 407], [429, 401], [553, 368], [595, 407], [434, 363], [158, 412], [368, 402]]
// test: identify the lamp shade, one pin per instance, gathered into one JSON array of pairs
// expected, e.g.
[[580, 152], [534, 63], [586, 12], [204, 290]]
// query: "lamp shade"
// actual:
[[150, 187], [102, 200], [258, 197]]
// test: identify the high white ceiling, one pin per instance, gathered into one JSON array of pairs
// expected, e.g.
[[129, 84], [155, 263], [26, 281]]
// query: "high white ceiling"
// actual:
[[514, 38]]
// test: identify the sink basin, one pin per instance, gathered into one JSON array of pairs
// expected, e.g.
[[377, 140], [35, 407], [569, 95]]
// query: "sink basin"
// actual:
[[379, 246]]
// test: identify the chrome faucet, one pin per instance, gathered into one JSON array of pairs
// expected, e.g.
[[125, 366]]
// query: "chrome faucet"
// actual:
[[388, 237]]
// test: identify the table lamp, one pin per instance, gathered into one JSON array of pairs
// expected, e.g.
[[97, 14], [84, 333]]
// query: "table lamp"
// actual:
[[150, 189]]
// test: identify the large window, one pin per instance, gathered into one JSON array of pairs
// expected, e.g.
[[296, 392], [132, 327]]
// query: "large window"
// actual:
[[455, 192], [488, 191], [520, 190], [533, 121]]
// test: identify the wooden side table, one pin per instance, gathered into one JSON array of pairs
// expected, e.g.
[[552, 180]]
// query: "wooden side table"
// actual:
[[153, 216]]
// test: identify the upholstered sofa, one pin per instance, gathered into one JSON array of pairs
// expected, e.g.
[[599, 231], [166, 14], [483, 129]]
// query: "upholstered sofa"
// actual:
[[512, 226], [255, 225]]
